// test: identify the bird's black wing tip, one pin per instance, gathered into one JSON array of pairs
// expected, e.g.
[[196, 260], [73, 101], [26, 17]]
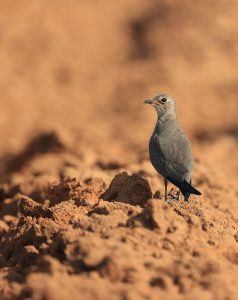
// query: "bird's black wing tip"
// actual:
[[185, 187], [198, 193], [191, 189]]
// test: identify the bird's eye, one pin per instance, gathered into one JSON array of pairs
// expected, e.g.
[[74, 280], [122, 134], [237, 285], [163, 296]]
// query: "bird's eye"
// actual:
[[163, 100]]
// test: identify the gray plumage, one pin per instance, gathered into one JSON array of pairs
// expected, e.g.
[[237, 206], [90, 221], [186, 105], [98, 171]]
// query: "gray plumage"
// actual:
[[169, 148]]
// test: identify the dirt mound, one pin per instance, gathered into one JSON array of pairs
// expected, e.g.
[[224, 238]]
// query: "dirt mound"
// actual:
[[90, 238], [129, 189]]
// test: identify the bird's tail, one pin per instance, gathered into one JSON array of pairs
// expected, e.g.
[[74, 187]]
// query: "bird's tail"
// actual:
[[186, 188]]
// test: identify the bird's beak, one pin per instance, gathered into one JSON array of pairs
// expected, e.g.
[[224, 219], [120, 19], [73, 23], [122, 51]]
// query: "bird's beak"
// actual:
[[148, 101]]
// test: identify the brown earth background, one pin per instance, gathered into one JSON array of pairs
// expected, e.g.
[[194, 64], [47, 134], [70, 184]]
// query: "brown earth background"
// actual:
[[77, 218]]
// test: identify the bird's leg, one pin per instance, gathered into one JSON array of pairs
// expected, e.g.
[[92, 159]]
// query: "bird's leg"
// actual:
[[165, 188], [178, 195], [186, 196]]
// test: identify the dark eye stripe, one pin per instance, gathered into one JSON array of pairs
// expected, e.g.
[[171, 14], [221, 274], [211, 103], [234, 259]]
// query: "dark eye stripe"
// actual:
[[163, 100]]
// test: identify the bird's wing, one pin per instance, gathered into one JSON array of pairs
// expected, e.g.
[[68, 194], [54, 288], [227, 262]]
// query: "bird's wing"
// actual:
[[176, 151]]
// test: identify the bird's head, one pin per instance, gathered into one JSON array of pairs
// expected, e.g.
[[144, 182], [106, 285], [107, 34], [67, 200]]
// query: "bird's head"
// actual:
[[163, 104]]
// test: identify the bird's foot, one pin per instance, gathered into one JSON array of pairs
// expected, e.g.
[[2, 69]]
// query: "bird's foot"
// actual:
[[171, 200], [174, 194]]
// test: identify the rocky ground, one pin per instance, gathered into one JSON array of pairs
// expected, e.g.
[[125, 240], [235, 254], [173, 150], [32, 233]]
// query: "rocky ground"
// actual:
[[82, 213]]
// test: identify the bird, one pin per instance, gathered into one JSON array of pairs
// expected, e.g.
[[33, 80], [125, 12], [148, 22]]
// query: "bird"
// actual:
[[169, 148]]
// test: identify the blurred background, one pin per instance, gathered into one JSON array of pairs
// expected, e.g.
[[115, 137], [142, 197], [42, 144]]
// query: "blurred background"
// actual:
[[73, 78], [87, 66]]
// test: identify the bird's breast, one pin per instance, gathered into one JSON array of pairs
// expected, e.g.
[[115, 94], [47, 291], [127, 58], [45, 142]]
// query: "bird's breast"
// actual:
[[156, 155]]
